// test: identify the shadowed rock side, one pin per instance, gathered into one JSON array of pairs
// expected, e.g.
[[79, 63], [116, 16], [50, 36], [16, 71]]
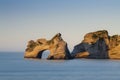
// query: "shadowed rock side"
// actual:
[[57, 47], [98, 45]]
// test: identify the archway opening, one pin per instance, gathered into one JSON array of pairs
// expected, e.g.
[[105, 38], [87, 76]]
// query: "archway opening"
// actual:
[[45, 54]]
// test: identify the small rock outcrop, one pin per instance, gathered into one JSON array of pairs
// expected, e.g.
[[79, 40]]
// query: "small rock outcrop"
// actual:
[[98, 45], [57, 47]]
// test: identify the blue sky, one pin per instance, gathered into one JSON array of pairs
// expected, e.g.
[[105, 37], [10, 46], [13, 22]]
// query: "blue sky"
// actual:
[[23, 20]]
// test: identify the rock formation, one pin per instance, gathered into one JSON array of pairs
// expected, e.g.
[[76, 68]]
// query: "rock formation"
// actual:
[[98, 45], [57, 47], [95, 45]]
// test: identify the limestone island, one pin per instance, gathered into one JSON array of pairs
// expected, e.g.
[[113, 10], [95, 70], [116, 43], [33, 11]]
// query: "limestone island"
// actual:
[[95, 45]]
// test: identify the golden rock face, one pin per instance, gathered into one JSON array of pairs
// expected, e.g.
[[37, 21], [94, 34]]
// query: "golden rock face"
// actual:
[[92, 37], [57, 47]]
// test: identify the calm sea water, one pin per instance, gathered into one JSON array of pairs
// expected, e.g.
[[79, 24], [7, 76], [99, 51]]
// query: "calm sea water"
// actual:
[[14, 67]]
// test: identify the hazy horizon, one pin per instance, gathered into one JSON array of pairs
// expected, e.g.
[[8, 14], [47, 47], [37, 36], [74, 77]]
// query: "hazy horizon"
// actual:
[[24, 20]]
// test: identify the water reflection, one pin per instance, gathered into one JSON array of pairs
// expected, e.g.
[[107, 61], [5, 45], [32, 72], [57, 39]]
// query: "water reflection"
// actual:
[[44, 60]]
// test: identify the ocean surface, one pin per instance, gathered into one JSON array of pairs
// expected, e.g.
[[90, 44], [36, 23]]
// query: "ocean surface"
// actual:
[[14, 67]]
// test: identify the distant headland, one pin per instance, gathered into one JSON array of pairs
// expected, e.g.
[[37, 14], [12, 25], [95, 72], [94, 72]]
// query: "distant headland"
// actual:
[[95, 45]]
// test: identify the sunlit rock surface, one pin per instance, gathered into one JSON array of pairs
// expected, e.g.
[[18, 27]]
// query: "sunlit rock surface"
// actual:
[[98, 45], [57, 47]]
